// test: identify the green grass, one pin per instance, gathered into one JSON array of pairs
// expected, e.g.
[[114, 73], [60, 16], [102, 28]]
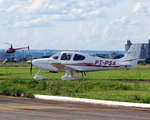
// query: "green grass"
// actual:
[[11, 64], [124, 75], [93, 89], [116, 85]]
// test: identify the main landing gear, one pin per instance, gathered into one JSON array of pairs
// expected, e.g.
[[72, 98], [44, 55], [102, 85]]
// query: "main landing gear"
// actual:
[[70, 77], [65, 78]]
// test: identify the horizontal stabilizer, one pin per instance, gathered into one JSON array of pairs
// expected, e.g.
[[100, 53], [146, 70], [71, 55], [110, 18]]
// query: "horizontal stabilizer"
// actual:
[[125, 64]]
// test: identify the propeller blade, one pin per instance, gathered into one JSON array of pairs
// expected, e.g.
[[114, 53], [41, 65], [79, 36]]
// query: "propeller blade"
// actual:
[[31, 66], [30, 62]]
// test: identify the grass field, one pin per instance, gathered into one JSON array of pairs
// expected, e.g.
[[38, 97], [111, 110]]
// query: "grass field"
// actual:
[[117, 85], [138, 74]]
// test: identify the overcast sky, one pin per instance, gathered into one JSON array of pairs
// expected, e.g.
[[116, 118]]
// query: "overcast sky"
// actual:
[[74, 24]]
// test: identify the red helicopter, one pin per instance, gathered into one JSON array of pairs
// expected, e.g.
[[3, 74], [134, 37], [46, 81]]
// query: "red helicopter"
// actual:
[[12, 50]]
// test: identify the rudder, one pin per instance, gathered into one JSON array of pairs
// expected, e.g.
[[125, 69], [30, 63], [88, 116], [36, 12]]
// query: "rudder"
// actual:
[[131, 57]]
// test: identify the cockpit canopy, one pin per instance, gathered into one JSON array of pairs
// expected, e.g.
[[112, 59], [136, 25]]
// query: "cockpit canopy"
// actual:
[[8, 49], [68, 56]]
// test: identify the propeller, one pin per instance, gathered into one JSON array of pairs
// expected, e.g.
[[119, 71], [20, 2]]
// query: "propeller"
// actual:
[[30, 62], [31, 66]]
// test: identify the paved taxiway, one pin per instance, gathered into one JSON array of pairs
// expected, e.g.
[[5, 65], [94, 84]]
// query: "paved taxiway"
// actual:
[[15, 108]]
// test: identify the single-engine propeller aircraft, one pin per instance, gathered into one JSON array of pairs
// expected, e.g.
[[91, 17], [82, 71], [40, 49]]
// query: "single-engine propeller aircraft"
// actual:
[[72, 62], [12, 50]]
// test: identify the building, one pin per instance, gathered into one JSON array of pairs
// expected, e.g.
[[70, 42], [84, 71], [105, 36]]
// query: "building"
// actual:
[[145, 49]]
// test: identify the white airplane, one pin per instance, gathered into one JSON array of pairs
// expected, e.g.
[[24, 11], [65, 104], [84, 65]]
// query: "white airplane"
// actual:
[[72, 62]]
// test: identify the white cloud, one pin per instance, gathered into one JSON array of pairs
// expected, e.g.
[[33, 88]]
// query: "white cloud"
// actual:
[[105, 33], [29, 11], [39, 22], [120, 30], [77, 11], [98, 12], [74, 24], [11, 9], [124, 20], [1, 2], [46, 7], [142, 8]]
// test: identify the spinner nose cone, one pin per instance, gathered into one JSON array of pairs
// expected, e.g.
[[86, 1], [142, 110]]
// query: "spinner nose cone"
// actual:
[[29, 62], [35, 63]]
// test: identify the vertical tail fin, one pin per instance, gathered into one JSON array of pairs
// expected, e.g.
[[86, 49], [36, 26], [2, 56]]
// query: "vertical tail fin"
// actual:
[[131, 57]]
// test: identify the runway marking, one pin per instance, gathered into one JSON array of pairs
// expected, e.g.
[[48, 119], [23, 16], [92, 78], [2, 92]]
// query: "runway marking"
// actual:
[[65, 108], [43, 115], [21, 110], [45, 108]]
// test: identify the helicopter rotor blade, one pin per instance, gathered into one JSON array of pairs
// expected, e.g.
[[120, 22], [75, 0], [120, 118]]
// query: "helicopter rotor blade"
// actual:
[[8, 43]]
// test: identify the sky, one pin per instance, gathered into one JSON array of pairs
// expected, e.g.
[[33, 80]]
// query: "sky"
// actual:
[[74, 24]]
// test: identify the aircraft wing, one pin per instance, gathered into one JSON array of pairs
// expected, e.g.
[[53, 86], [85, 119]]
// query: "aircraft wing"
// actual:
[[61, 67]]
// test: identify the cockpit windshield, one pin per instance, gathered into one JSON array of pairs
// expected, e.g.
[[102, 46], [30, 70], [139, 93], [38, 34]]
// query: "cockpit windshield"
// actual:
[[8, 49], [55, 56]]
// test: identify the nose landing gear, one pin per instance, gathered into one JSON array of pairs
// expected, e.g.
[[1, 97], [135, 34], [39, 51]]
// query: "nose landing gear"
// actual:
[[38, 77]]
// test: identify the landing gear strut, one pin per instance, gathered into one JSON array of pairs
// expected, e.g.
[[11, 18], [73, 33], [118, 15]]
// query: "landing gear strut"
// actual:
[[38, 77], [70, 77]]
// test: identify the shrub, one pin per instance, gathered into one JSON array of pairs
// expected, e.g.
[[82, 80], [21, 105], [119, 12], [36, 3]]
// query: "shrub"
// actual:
[[6, 91], [19, 91], [15, 90], [32, 83], [146, 99], [55, 91], [28, 94], [43, 85]]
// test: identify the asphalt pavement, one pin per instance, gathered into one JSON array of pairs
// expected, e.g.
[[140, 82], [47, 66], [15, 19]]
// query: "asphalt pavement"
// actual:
[[18, 108]]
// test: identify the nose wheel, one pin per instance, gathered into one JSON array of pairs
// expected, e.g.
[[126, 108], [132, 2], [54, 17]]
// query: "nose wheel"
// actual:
[[38, 77]]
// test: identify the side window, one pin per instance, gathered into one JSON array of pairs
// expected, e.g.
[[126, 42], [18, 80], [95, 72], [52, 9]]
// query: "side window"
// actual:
[[66, 56], [78, 57]]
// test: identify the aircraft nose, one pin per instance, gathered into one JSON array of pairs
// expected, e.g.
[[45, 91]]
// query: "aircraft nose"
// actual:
[[34, 62], [39, 63], [44, 64]]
